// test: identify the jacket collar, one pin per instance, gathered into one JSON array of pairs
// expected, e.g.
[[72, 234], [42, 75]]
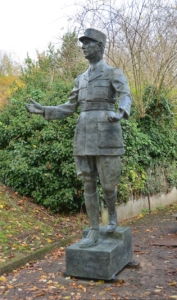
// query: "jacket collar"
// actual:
[[97, 71]]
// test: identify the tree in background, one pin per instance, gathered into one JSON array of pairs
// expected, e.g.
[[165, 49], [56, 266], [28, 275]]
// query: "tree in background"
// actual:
[[36, 156], [142, 41], [63, 64], [71, 60], [9, 73]]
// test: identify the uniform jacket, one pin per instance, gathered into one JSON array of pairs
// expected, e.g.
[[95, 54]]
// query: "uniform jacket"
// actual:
[[96, 94]]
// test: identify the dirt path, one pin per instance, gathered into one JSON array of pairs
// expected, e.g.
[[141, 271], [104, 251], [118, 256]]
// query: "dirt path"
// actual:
[[155, 279]]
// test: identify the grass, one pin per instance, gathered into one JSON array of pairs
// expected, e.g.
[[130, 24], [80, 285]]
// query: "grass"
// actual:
[[26, 226]]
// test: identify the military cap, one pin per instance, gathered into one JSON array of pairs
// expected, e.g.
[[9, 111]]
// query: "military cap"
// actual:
[[94, 34]]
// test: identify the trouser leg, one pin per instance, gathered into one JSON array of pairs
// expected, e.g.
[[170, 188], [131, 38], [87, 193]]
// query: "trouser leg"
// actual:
[[109, 169], [112, 213], [92, 208]]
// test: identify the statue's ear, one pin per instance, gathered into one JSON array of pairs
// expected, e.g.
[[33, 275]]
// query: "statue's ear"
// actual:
[[100, 44]]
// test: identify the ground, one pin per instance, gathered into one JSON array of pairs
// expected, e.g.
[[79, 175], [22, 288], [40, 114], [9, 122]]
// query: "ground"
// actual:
[[26, 227], [154, 247]]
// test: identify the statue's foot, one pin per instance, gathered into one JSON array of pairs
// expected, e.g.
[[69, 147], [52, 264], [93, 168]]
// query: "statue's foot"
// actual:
[[112, 222], [91, 239]]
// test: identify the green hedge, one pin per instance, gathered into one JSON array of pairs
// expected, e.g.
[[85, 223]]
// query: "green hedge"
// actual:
[[36, 156], [36, 159]]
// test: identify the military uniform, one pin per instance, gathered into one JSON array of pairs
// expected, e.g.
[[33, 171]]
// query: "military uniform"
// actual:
[[98, 142], [96, 94]]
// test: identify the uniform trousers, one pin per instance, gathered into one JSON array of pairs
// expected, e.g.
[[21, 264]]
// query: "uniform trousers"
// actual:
[[108, 168]]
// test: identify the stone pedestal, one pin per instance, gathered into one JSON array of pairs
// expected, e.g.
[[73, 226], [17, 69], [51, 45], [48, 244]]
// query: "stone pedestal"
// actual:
[[104, 260]]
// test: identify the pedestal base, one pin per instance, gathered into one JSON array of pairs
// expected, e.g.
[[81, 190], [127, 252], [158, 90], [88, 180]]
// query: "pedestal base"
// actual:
[[104, 260]]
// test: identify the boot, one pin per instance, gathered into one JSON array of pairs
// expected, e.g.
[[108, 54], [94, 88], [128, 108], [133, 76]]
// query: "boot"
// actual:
[[92, 207], [112, 214]]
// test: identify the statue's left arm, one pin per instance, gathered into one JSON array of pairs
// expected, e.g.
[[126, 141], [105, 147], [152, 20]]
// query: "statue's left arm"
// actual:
[[121, 87]]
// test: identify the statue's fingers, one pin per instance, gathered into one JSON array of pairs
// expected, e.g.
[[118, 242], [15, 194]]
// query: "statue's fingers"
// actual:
[[122, 114], [110, 119], [27, 105], [34, 102], [119, 116]]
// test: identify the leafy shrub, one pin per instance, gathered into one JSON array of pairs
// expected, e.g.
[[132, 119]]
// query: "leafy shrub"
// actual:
[[149, 164], [36, 156]]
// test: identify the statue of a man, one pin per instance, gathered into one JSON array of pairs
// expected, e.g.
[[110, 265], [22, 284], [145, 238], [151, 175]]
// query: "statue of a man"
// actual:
[[98, 143]]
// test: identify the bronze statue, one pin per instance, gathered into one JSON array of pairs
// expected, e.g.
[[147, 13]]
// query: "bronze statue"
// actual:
[[98, 143]]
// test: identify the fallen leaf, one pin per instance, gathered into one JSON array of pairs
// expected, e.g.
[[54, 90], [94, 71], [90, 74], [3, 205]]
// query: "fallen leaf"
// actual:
[[49, 240], [109, 289], [121, 281], [100, 282], [10, 286], [147, 293], [157, 291], [173, 283], [82, 288], [11, 256], [43, 276], [34, 288], [49, 282], [2, 278], [40, 294]]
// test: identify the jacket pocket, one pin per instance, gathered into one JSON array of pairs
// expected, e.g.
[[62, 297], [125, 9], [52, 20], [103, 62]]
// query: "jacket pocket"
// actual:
[[101, 89], [109, 135]]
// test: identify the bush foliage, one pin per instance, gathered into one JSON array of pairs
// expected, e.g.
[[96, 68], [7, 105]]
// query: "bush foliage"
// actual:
[[36, 156]]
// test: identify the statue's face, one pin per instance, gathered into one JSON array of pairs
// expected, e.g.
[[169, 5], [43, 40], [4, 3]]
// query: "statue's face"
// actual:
[[90, 48]]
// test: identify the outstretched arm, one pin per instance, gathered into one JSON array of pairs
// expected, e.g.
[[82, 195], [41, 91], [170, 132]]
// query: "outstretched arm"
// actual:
[[56, 112]]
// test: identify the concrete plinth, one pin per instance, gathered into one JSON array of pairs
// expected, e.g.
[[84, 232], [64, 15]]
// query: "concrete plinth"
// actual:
[[104, 260]]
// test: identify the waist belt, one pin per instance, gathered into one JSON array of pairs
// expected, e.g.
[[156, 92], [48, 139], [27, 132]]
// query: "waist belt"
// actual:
[[96, 106]]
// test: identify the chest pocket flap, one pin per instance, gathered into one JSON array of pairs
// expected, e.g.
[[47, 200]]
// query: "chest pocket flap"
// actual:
[[101, 88]]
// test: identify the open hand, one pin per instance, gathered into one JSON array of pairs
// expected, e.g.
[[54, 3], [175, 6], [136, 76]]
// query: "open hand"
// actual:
[[34, 108]]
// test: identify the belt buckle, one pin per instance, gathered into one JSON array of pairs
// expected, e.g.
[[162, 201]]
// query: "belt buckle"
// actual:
[[87, 106]]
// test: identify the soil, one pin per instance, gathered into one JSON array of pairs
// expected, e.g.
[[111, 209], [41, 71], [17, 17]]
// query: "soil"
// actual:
[[156, 278]]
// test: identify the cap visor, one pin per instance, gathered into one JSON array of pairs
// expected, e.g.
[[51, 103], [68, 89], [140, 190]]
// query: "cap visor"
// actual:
[[82, 38]]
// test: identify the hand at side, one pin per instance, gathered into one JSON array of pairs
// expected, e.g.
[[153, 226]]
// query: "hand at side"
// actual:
[[116, 117]]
